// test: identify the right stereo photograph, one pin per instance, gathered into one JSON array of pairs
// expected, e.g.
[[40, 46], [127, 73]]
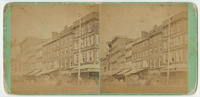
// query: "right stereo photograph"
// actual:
[[144, 48]]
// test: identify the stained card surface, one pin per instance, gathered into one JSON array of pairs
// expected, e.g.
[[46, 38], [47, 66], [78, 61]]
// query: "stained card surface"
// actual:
[[104, 48]]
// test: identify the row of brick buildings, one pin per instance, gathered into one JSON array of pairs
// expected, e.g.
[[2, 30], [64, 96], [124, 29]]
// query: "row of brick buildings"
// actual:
[[72, 51], [164, 48]]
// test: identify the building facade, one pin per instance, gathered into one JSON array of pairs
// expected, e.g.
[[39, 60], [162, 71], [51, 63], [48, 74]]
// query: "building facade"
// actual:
[[163, 50], [86, 45], [128, 53], [117, 53], [105, 64], [140, 52], [175, 42], [164, 45], [76, 48], [57, 52]]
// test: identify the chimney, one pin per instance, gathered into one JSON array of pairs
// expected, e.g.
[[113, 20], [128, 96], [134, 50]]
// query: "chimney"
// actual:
[[144, 34], [66, 27], [54, 35]]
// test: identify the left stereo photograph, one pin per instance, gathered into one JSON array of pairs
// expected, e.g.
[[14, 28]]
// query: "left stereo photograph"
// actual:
[[54, 48]]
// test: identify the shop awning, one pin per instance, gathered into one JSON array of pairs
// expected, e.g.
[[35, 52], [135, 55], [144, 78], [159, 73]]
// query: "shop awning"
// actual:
[[122, 72], [133, 71], [33, 72], [46, 71], [127, 72]]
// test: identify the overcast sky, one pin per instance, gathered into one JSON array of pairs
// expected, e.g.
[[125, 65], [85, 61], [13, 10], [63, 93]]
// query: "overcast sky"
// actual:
[[39, 20], [129, 20]]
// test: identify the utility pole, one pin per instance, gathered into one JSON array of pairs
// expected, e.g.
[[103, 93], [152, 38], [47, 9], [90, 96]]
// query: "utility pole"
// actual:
[[169, 57], [79, 42]]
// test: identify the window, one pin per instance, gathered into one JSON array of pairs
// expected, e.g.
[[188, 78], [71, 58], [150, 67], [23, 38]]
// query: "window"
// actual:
[[179, 26], [65, 51], [88, 56], [174, 61], [97, 39], [85, 39], [171, 43], [166, 58], [181, 39], [75, 45], [97, 56], [90, 27], [91, 55], [81, 41], [81, 30], [177, 56], [76, 32], [84, 57], [85, 28], [92, 40], [76, 59], [173, 28], [180, 56], [166, 30]]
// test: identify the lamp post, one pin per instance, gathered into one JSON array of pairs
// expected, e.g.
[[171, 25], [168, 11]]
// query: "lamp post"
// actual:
[[169, 57], [79, 41]]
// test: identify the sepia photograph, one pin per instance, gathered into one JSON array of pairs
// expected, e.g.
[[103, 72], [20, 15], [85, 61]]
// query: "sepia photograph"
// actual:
[[144, 48], [99, 48], [54, 48]]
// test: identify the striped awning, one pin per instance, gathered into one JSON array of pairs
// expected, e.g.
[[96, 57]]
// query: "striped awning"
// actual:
[[133, 71], [33, 72], [46, 71]]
